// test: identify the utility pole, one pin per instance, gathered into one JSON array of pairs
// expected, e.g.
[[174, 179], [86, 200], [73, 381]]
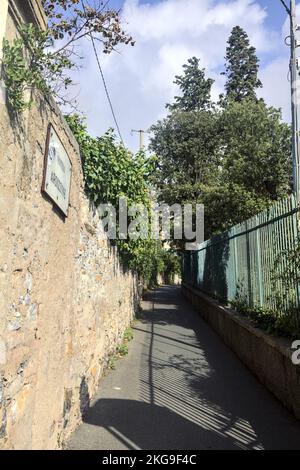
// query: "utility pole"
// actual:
[[141, 132], [295, 93], [295, 79]]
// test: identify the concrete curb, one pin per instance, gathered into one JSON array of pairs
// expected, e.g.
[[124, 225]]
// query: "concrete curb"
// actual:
[[268, 357]]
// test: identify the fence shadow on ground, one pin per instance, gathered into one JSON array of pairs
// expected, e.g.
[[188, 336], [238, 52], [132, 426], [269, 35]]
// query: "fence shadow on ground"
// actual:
[[194, 393], [141, 425]]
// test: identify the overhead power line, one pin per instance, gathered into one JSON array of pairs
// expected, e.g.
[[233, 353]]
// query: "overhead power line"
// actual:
[[286, 7], [103, 80]]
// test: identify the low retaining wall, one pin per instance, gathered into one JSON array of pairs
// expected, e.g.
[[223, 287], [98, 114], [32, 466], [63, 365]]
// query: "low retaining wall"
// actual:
[[268, 357]]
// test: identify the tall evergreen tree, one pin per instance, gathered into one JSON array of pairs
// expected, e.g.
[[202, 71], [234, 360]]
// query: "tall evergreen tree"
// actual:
[[195, 88], [241, 67]]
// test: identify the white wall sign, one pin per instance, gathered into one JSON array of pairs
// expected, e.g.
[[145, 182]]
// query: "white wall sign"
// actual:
[[57, 171]]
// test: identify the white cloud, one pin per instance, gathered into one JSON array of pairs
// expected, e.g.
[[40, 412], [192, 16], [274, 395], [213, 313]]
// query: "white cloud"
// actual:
[[277, 91], [275, 75], [167, 33]]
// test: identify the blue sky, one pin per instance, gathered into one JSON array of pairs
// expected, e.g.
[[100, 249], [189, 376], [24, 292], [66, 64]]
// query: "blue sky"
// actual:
[[276, 12], [167, 33]]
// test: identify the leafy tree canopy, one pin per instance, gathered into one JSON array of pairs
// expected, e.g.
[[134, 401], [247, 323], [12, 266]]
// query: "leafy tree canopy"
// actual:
[[256, 148], [234, 159], [186, 143]]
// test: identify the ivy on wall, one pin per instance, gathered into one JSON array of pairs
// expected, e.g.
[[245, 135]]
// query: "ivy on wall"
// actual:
[[111, 171]]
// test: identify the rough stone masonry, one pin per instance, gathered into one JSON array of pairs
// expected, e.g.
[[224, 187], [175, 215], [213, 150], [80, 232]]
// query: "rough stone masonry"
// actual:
[[64, 299]]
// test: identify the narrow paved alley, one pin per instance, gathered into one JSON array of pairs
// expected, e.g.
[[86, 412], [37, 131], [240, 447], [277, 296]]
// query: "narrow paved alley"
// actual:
[[180, 387]]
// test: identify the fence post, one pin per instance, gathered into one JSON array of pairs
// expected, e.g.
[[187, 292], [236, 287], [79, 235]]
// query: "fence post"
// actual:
[[236, 268], [248, 264], [259, 273]]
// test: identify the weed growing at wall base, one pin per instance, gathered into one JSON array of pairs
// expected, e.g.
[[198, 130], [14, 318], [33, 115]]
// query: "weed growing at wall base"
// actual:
[[121, 350], [273, 321]]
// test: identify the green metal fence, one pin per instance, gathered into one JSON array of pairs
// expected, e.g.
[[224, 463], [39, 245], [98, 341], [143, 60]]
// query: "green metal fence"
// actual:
[[250, 260]]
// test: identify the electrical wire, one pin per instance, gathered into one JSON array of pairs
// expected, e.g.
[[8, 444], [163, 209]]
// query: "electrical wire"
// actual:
[[103, 80], [285, 7]]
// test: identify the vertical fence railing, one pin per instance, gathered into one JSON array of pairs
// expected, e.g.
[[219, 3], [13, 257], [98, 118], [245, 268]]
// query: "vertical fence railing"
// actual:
[[251, 261]]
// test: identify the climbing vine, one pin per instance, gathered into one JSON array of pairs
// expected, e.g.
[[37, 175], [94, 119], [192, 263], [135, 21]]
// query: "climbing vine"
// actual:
[[27, 64], [111, 171], [43, 60]]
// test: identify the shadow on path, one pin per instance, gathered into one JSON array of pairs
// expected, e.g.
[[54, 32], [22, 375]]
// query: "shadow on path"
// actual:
[[141, 425], [193, 392]]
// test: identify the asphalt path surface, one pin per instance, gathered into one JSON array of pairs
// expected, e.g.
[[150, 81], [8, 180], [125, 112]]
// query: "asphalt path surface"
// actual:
[[181, 388]]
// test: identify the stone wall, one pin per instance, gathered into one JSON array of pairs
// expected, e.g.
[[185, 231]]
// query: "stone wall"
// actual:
[[64, 299]]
